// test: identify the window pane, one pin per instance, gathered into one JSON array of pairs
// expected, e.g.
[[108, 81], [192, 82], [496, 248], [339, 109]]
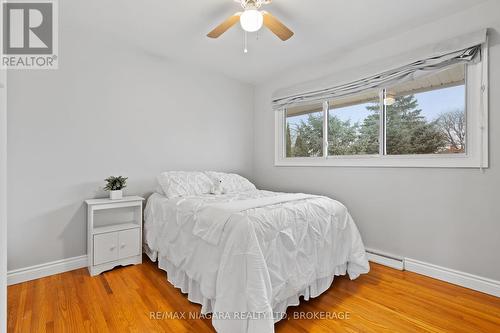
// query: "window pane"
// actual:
[[304, 131], [427, 116], [354, 125]]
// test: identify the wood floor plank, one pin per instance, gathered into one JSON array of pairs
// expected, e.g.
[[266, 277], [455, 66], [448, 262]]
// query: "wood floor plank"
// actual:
[[123, 300]]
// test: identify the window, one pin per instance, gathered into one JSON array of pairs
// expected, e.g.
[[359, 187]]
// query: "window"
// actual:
[[435, 120], [304, 131], [427, 116], [354, 125]]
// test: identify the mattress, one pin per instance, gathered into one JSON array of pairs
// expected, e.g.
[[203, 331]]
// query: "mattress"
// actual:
[[265, 254]]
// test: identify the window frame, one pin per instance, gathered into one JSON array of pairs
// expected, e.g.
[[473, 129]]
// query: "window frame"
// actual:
[[476, 152]]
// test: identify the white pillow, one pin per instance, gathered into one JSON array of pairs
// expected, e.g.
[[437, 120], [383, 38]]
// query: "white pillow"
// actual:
[[159, 189], [184, 183], [231, 182]]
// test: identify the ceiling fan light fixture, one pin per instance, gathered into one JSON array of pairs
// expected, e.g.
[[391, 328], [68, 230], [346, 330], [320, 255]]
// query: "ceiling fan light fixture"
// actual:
[[251, 20]]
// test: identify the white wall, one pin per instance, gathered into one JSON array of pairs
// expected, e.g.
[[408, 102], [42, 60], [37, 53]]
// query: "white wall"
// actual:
[[448, 217], [61, 145], [3, 200], [110, 109]]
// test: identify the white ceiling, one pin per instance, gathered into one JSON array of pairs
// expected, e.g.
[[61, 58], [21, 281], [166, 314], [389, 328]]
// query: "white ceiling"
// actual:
[[176, 29]]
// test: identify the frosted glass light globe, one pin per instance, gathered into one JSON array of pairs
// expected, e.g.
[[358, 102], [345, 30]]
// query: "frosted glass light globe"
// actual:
[[251, 20]]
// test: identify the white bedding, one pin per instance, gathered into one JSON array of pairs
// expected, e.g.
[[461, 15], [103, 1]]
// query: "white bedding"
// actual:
[[211, 218], [262, 251]]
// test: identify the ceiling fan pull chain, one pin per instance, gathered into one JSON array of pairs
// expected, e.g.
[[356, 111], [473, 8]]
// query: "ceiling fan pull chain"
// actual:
[[245, 50]]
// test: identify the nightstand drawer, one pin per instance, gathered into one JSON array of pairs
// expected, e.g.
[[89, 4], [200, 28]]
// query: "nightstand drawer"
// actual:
[[105, 248], [129, 242]]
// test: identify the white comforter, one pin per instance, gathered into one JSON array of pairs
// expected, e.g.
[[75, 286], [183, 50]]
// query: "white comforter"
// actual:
[[260, 253]]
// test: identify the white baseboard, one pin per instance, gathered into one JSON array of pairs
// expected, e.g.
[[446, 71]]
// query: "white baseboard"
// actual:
[[385, 259], [485, 285], [43, 270], [474, 282]]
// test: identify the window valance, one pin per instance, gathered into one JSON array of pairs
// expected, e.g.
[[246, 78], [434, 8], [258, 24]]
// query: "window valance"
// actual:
[[433, 58]]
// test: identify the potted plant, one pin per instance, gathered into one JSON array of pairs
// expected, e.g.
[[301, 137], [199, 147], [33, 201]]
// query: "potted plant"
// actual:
[[115, 185]]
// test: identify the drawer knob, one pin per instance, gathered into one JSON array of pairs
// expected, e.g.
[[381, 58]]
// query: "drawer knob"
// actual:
[[112, 248], [123, 245]]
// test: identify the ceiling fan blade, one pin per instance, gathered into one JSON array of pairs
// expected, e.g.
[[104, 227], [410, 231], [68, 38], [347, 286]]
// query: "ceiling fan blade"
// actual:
[[275, 25], [224, 26]]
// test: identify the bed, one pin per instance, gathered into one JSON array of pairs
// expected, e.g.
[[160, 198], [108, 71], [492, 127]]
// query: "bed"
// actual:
[[246, 254]]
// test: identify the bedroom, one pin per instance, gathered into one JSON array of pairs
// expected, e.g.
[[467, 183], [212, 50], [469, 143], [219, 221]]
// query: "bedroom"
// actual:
[[139, 90]]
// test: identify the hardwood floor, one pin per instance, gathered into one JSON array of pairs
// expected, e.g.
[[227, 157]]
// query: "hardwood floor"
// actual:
[[385, 300]]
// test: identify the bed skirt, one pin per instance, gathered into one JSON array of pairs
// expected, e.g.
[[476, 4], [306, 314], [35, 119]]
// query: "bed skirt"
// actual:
[[179, 279]]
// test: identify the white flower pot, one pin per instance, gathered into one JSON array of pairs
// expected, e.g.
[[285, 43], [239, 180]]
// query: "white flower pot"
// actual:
[[116, 195]]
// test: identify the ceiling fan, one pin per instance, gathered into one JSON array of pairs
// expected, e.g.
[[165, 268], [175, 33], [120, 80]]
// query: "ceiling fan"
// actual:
[[252, 19]]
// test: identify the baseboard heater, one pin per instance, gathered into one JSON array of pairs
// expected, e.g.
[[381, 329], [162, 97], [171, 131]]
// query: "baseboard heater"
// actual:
[[385, 259]]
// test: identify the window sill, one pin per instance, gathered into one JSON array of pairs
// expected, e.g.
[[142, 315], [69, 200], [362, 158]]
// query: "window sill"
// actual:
[[400, 161]]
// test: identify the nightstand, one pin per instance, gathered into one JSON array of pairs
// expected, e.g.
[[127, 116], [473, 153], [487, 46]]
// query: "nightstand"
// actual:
[[117, 240]]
